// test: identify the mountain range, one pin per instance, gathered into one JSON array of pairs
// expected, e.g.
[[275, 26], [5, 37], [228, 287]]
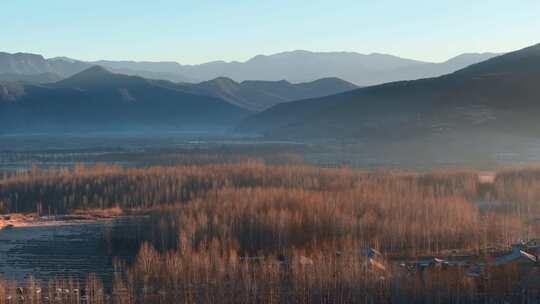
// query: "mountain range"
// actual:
[[295, 67], [98, 100], [498, 95]]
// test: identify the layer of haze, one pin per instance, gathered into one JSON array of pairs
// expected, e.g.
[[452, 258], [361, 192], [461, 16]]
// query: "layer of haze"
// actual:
[[199, 31]]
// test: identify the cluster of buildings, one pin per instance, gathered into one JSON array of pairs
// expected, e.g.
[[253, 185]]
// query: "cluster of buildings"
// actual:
[[515, 271]]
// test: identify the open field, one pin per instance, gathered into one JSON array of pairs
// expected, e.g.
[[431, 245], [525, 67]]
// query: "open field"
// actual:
[[296, 233]]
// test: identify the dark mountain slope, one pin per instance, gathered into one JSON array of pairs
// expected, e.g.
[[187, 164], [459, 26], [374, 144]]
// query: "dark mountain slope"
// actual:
[[96, 99], [502, 93]]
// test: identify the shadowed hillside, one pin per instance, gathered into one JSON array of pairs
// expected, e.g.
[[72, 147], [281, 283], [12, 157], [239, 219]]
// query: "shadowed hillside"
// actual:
[[500, 94], [98, 100]]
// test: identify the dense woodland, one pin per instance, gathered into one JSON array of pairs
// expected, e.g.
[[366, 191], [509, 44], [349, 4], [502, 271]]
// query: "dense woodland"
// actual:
[[256, 233]]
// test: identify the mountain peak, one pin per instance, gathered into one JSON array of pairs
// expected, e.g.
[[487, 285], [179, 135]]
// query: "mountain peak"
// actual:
[[223, 79], [220, 81], [98, 76], [90, 75], [96, 69]]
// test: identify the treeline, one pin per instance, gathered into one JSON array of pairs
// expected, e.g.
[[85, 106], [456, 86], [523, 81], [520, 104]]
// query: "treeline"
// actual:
[[103, 186]]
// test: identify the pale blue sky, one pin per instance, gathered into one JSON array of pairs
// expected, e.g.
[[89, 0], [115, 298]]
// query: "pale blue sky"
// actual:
[[202, 30]]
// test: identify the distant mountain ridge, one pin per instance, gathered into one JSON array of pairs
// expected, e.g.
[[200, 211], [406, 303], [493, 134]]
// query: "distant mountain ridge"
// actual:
[[260, 95], [296, 67], [32, 64], [501, 94]]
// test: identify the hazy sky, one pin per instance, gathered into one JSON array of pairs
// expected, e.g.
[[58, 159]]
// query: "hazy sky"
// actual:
[[200, 30]]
